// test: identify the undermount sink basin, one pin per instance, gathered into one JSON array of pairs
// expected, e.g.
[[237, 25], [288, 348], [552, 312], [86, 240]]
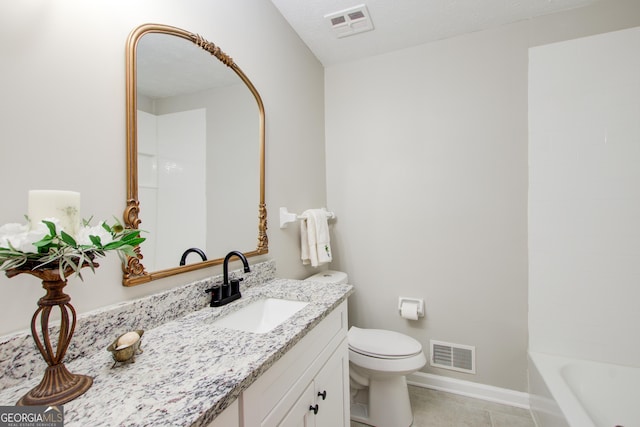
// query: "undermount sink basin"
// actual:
[[261, 316]]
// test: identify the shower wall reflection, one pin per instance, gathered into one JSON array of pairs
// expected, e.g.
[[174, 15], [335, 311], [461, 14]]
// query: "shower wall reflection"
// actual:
[[172, 174]]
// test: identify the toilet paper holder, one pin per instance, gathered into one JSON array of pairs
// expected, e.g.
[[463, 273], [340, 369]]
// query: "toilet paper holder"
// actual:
[[418, 301]]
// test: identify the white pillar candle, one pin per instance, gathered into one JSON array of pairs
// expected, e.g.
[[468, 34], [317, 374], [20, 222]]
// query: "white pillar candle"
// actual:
[[63, 205]]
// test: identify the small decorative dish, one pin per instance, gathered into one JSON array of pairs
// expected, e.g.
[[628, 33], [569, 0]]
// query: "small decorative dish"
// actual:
[[126, 346]]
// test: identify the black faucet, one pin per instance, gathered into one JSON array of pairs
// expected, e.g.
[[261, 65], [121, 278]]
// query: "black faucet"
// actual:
[[225, 265], [200, 252], [229, 290]]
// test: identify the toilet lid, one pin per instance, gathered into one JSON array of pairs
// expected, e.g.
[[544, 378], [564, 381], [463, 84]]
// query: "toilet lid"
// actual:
[[381, 343]]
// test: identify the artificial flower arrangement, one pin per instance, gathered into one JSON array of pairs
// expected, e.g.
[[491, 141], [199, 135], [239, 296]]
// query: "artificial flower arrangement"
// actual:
[[46, 245], [53, 245]]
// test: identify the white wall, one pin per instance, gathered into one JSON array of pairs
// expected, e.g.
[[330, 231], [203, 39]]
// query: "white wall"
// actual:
[[63, 107], [427, 172], [584, 199]]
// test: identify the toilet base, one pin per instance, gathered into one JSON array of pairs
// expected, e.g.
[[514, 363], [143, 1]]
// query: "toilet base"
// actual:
[[386, 403], [360, 412]]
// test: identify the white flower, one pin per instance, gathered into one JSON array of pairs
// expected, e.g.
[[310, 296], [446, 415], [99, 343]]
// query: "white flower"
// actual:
[[83, 235], [34, 235], [9, 232], [22, 238], [24, 242]]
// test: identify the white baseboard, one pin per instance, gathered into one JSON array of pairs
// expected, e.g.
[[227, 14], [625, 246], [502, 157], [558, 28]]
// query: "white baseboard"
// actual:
[[470, 389]]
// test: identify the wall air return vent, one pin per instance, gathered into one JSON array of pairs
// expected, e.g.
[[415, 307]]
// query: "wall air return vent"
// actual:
[[350, 21], [455, 357]]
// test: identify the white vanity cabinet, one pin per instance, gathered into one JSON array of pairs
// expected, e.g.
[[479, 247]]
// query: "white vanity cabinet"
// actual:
[[291, 392], [322, 402]]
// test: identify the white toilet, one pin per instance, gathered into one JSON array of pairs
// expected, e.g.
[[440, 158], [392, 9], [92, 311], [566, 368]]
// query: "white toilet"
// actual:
[[379, 360]]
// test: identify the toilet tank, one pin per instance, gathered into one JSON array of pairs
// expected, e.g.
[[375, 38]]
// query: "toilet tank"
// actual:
[[329, 276]]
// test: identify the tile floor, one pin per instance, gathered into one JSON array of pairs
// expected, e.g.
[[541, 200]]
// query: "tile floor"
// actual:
[[433, 408]]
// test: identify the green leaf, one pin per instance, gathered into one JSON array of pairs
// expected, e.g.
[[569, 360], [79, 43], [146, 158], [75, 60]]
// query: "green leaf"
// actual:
[[136, 242], [68, 239], [130, 236], [113, 245], [96, 240], [46, 241], [51, 226], [129, 250]]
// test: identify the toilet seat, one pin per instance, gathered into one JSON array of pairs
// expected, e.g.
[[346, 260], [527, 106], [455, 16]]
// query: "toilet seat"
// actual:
[[382, 344]]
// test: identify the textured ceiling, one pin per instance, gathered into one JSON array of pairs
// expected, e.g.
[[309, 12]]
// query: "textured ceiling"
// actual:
[[169, 66], [403, 23]]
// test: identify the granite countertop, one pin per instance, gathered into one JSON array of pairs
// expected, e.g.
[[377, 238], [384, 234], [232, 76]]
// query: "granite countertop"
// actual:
[[190, 370]]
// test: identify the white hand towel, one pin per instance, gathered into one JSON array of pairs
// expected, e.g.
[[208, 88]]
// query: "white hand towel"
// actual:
[[309, 251], [305, 252], [322, 236], [314, 238]]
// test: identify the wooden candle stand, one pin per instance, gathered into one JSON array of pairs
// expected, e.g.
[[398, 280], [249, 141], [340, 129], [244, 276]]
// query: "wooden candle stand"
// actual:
[[58, 385]]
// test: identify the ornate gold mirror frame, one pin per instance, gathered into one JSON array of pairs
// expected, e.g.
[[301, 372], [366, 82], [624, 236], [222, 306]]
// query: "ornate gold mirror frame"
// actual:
[[134, 272]]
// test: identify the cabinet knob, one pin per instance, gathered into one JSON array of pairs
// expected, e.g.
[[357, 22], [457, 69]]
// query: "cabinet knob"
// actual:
[[323, 395], [314, 409]]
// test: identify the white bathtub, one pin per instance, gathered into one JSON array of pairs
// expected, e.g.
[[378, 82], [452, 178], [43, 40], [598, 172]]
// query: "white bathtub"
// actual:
[[580, 393]]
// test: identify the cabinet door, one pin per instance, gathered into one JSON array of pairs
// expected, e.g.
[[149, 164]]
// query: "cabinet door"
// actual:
[[301, 413], [332, 390]]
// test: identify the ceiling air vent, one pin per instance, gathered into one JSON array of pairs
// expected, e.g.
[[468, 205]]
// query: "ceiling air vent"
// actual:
[[350, 21], [456, 357]]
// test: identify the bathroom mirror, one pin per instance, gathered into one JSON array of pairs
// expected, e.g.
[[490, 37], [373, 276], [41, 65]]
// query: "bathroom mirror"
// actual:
[[195, 154]]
